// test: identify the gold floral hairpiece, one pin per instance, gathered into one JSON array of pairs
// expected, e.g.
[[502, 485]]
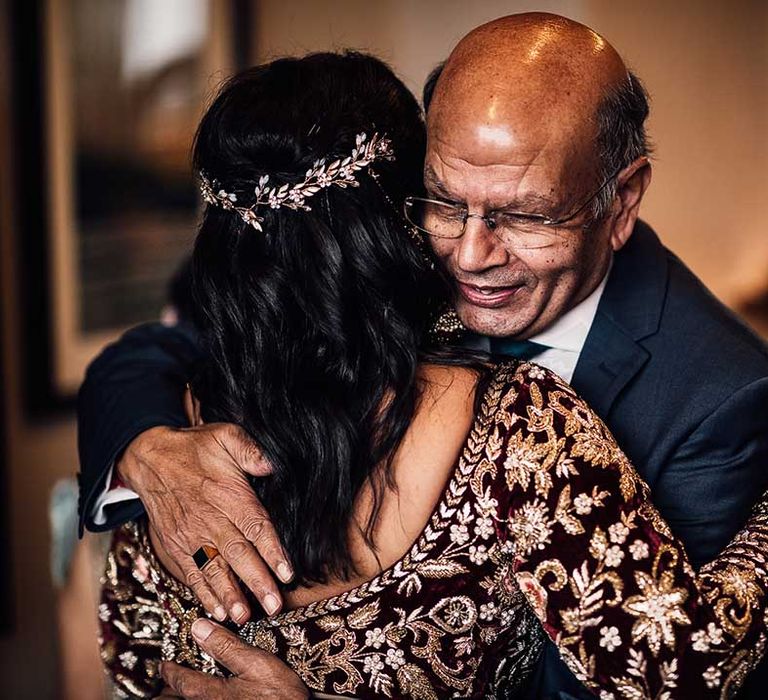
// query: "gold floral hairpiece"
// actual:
[[340, 172]]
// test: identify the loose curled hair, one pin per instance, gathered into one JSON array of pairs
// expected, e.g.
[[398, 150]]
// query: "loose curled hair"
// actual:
[[314, 327]]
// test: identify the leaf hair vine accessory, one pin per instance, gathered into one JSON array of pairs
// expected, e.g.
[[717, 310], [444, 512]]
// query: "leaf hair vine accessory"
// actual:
[[340, 172]]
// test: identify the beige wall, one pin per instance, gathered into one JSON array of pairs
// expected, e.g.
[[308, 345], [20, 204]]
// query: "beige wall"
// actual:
[[706, 66], [704, 62]]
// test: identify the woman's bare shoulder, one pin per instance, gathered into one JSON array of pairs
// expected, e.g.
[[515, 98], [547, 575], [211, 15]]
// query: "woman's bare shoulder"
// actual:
[[447, 386]]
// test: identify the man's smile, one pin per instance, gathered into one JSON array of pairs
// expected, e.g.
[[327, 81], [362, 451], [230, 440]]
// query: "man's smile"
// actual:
[[487, 296]]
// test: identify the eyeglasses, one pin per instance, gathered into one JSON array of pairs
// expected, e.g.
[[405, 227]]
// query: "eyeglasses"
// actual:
[[517, 229]]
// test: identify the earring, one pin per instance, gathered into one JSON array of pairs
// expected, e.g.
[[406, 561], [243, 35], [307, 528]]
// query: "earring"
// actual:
[[447, 327], [421, 245], [413, 233]]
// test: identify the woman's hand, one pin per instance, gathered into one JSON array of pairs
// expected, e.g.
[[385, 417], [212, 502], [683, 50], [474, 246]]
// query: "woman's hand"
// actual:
[[193, 484], [257, 674]]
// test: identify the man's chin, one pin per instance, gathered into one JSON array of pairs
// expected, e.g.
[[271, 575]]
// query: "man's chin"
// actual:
[[496, 323]]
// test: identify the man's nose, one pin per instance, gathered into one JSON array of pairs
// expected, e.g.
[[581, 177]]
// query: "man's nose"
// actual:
[[479, 249]]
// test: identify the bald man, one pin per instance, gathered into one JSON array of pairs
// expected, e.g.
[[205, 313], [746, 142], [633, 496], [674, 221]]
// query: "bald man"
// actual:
[[538, 116], [537, 149]]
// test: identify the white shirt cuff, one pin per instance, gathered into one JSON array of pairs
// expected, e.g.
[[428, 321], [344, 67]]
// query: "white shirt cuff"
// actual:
[[109, 497]]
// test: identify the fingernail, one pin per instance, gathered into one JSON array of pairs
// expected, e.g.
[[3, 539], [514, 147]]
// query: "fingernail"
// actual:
[[238, 611], [220, 613], [284, 572], [202, 629], [271, 603]]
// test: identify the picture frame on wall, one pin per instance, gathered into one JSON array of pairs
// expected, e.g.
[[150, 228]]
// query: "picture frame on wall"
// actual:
[[109, 101]]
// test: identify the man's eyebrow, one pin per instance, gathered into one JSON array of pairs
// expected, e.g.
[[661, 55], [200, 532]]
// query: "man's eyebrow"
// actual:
[[529, 202], [432, 182]]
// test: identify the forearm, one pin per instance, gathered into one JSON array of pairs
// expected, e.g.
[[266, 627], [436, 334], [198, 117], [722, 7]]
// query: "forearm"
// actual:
[[610, 582], [613, 586], [133, 386], [624, 607]]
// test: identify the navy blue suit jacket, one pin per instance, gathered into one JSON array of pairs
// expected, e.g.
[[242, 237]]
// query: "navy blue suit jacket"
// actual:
[[681, 382]]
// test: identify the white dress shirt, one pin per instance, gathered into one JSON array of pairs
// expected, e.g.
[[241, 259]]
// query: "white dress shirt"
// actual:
[[109, 497], [564, 339]]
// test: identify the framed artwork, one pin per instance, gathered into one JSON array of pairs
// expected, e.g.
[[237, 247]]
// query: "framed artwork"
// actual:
[[110, 93]]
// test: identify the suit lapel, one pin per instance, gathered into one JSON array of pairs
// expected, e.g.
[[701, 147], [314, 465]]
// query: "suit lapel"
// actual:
[[629, 311], [608, 361]]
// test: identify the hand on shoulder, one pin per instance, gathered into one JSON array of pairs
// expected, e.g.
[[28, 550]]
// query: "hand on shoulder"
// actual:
[[194, 486]]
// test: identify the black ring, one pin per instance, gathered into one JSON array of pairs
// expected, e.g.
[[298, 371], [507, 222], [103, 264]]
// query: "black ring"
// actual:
[[204, 555]]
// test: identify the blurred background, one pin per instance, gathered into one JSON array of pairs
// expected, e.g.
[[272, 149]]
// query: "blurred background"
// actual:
[[99, 100]]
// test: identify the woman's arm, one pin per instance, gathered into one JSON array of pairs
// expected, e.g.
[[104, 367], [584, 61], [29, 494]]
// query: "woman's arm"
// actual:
[[613, 587]]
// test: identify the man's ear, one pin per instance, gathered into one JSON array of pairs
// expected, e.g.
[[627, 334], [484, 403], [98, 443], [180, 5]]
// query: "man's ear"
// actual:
[[633, 181], [192, 407]]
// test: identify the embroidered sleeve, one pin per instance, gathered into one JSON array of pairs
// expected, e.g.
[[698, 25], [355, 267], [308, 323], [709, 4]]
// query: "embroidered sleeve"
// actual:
[[131, 619], [611, 585]]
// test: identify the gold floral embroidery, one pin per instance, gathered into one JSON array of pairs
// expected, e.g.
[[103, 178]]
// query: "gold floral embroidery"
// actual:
[[659, 606], [407, 655], [531, 527], [129, 611], [544, 514]]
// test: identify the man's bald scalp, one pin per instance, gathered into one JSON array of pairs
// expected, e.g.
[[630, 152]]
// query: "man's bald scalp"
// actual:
[[539, 61]]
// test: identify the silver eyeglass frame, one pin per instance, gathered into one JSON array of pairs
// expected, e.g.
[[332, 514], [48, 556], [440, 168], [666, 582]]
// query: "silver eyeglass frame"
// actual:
[[489, 219]]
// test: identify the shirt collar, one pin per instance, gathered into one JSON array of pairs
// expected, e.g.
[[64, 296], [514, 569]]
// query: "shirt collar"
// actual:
[[570, 331]]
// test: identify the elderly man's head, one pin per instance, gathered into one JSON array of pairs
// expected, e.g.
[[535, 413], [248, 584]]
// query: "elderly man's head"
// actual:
[[536, 125]]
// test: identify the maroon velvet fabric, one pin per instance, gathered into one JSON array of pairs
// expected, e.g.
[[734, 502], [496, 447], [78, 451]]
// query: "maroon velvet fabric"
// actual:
[[543, 527]]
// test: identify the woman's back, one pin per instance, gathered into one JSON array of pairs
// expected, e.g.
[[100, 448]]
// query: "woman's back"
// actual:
[[408, 620], [420, 469]]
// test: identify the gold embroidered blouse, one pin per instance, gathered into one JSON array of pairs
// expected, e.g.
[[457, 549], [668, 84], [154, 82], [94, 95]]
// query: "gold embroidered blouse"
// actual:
[[544, 528]]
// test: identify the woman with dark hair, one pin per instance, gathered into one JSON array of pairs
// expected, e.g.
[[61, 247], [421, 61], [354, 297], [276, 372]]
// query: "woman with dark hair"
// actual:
[[440, 509]]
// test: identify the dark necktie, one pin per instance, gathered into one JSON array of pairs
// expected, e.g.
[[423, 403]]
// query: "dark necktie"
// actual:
[[521, 349]]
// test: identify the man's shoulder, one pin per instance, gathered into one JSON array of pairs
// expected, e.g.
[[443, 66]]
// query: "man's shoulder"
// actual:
[[664, 349], [692, 332], [701, 332]]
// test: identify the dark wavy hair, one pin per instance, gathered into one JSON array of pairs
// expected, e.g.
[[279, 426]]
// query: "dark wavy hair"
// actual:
[[315, 326]]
